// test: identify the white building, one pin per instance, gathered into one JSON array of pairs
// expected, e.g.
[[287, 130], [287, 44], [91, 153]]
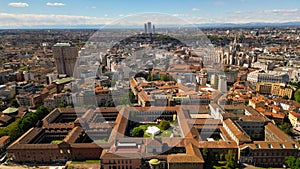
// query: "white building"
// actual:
[[268, 76]]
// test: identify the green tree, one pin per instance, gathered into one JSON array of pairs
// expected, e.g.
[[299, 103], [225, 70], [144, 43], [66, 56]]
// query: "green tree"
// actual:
[[137, 132], [286, 127], [165, 77], [297, 96], [132, 97], [164, 125], [230, 159], [205, 151], [285, 97], [61, 105], [14, 103], [14, 131], [149, 78], [297, 163], [290, 161]]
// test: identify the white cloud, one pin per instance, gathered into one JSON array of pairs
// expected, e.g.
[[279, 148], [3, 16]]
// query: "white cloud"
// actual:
[[195, 9], [18, 4], [31, 20], [9, 20], [179, 15], [271, 16], [55, 4], [282, 11]]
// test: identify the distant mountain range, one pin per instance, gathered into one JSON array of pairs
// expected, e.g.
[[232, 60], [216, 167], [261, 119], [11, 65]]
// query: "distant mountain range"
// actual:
[[251, 24], [208, 25]]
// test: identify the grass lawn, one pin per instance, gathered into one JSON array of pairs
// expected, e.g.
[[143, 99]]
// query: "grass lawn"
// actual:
[[147, 135], [86, 162], [56, 141], [166, 133], [101, 140]]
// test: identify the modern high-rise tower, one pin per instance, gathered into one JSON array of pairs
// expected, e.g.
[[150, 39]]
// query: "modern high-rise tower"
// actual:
[[149, 27], [222, 83], [65, 55], [145, 25]]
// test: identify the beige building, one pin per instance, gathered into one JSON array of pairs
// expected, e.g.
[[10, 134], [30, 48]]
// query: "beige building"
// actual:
[[65, 56], [276, 89], [294, 119]]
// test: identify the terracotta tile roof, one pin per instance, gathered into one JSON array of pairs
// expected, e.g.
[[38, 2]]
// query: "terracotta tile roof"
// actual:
[[204, 121], [253, 118], [279, 133], [4, 139], [124, 155], [278, 115], [144, 84], [183, 158], [184, 88], [5, 118], [187, 93], [269, 145], [153, 143], [297, 115], [122, 120], [133, 83], [144, 96], [192, 155], [218, 144], [252, 111], [234, 107], [241, 135], [165, 87], [260, 109], [101, 89], [267, 113], [73, 135]]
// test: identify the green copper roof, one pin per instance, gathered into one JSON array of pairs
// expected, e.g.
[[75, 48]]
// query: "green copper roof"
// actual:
[[10, 110], [63, 80]]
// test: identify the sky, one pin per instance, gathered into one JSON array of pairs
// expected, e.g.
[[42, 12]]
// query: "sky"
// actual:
[[48, 13]]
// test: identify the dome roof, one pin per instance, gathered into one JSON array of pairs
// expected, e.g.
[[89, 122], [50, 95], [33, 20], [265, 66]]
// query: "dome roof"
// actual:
[[154, 162]]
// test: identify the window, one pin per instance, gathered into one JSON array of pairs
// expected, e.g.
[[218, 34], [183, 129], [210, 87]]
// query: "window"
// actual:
[[257, 145], [282, 146], [270, 146], [294, 145]]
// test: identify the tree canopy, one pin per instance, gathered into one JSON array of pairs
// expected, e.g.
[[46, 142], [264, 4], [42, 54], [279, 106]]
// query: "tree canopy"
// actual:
[[297, 96], [138, 132], [292, 162], [164, 125], [20, 126]]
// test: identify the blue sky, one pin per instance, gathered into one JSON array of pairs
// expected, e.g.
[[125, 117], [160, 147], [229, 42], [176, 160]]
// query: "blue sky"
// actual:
[[20, 13]]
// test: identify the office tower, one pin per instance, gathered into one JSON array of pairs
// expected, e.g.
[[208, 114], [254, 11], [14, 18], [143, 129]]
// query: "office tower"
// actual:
[[202, 78], [153, 31], [145, 25], [214, 81], [149, 27], [65, 55], [222, 83]]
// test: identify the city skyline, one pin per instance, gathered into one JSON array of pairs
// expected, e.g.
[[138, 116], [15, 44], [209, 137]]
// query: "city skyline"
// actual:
[[66, 13]]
